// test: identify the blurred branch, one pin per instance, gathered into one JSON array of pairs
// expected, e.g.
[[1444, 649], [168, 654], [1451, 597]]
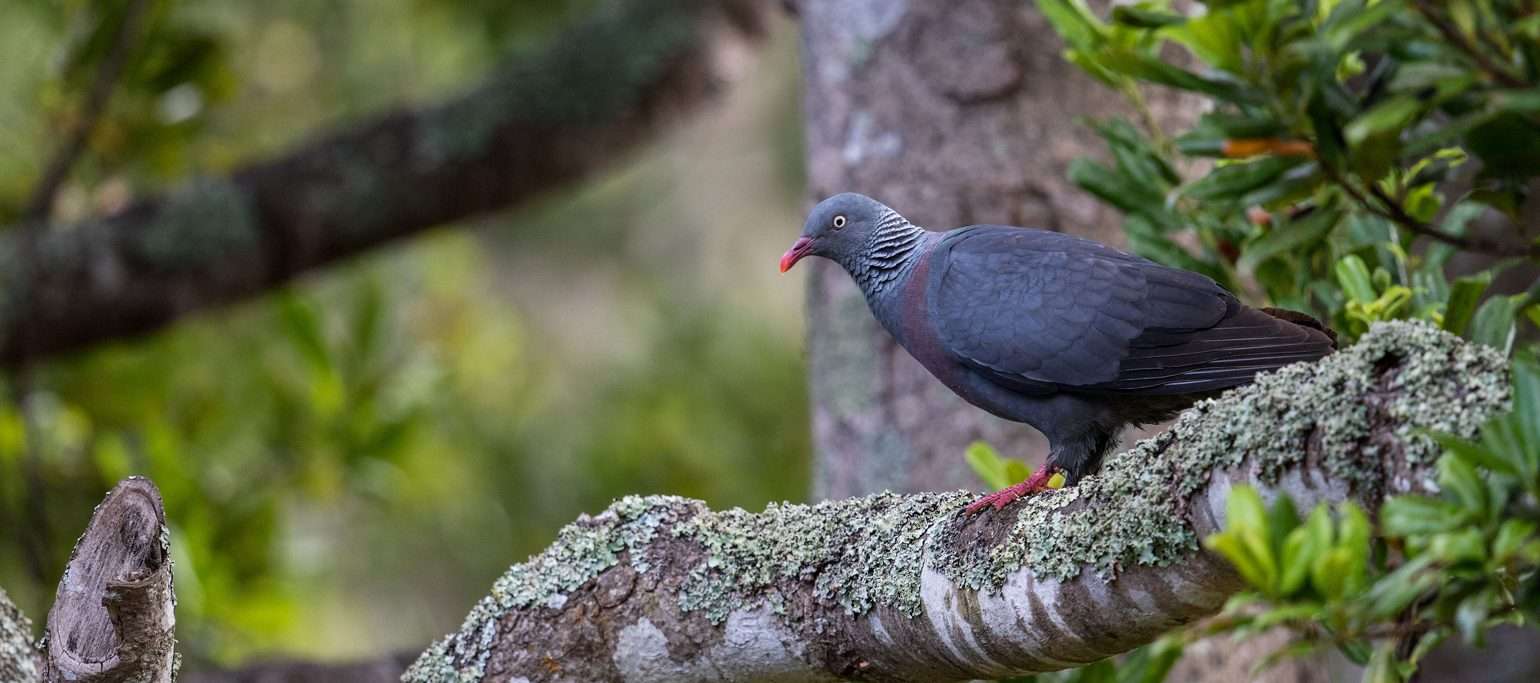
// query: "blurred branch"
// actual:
[[537, 124], [906, 588], [100, 93]]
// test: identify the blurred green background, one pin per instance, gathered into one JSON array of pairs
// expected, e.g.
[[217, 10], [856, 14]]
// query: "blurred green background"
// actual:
[[348, 464]]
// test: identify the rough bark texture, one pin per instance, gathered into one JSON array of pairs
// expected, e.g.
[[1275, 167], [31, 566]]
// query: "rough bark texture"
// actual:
[[19, 660], [897, 587], [953, 112], [537, 124], [114, 617]]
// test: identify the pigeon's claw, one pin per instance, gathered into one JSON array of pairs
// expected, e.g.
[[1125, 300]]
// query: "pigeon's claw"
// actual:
[[999, 499]]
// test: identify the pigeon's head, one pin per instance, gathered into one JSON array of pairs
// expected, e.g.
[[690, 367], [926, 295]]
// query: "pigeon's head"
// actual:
[[839, 227]]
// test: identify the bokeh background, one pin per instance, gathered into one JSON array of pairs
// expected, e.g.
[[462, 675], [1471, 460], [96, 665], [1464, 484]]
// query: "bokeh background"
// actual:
[[349, 463]]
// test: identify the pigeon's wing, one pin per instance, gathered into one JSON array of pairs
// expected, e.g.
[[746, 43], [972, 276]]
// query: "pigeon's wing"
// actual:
[[1038, 310]]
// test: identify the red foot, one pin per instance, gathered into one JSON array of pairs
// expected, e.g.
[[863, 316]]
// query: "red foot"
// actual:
[[999, 499]]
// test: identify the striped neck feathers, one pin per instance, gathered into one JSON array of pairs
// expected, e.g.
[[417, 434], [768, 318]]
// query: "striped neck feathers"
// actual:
[[890, 253]]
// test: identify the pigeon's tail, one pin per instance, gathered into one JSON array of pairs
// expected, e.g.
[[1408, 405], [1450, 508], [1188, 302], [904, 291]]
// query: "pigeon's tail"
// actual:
[[1246, 341], [1303, 320]]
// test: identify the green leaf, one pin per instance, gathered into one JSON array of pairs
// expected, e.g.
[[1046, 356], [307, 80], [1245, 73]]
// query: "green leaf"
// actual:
[[1388, 117], [1144, 18], [1476, 454], [1526, 404], [1329, 572], [1301, 549], [1466, 545], [1493, 324], [1016, 471], [987, 464], [1404, 516], [1233, 180], [1456, 476], [1353, 275], [1150, 69], [1392, 593], [1511, 538], [1074, 22], [303, 325], [1293, 185], [1353, 534], [1214, 37], [1113, 188], [1295, 236], [1244, 540], [1464, 294], [1471, 616], [1382, 665]]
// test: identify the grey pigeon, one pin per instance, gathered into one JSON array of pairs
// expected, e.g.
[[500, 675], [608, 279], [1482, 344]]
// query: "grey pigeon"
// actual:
[[1070, 336]]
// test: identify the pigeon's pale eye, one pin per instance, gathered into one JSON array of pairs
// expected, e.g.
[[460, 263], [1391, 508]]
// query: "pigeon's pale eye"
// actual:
[[839, 222]]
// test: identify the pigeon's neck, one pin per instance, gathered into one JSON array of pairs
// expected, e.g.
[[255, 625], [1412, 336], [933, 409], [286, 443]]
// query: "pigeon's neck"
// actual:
[[889, 256]]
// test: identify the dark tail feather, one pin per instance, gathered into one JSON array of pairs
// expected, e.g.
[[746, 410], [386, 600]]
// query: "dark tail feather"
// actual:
[[1303, 320]]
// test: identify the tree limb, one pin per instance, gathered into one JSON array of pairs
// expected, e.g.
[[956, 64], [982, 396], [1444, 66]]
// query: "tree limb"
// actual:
[[904, 588], [114, 616], [540, 122]]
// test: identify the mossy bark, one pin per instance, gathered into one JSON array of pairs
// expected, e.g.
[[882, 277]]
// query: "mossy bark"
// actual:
[[537, 124], [898, 587]]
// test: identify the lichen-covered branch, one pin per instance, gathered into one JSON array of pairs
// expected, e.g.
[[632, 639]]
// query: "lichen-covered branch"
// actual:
[[538, 123], [114, 617], [906, 588], [19, 660]]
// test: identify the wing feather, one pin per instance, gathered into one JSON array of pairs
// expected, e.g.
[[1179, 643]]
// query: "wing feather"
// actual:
[[1044, 311]]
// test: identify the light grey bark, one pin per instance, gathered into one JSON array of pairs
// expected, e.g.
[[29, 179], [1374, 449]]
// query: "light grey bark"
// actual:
[[905, 588]]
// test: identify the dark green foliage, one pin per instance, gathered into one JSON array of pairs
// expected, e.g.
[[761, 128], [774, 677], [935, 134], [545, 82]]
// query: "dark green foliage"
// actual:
[[1336, 126], [1349, 149]]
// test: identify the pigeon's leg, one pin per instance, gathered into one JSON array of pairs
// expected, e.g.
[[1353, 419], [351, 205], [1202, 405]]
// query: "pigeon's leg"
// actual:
[[999, 499], [1074, 456]]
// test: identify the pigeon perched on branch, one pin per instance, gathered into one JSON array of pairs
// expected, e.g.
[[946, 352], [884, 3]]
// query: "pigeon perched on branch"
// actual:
[[1070, 336]]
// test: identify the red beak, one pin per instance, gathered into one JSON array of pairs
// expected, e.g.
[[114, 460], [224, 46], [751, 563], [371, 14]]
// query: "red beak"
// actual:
[[798, 249]]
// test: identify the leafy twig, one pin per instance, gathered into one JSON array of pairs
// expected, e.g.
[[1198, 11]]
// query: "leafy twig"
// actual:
[[1385, 206], [107, 73], [1455, 37]]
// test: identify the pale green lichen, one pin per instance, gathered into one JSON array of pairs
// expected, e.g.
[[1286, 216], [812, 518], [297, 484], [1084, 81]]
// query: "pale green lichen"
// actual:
[[581, 551], [198, 224], [1129, 514], [859, 553], [18, 658]]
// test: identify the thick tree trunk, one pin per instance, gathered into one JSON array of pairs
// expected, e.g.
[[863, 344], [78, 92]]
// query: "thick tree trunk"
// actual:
[[906, 588], [952, 112]]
